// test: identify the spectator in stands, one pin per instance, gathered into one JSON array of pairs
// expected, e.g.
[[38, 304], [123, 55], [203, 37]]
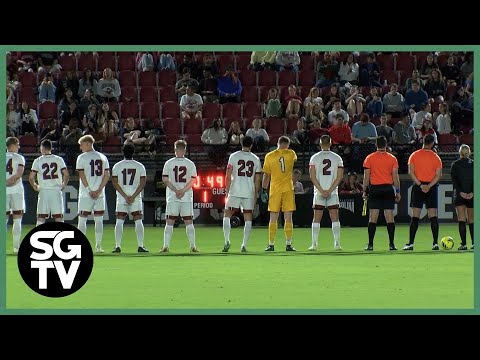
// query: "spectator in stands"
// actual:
[[327, 71], [90, 121], [216, 137], [287, 60], [71, 113], [181, 85], [329, 98], [191, 104], [300, 135], [10, 94], [370, 72], [208, 63], [128, 127], [375, 105], [47, 89], [235, 134], [315, 133], [262, 60], [297, 185], [208, 87], [144, 61], [415, 97], [87, 100], [166, 62], [108, 88], [12, 120], [87, 82], [426, 129], [154, 134], [425, 111], [273, 107], [48, 62], [349, 70], [403, 131], [258, 134], [443, 120], [337, 109], [351, 186], [340, 132], [427, 68], [229, 87], [134, 135], [108, 119], [355, 101], [393, 102], [313, 105], [293, 103], [69, 82], [467, 67], [384, 130], [415, 76], [189, 63], [66, 101], [51, 132], [435, 85], [461, 98], [69, 142], [29, 120], [364, 131], [451, 72], [469, 85], [27, 61]]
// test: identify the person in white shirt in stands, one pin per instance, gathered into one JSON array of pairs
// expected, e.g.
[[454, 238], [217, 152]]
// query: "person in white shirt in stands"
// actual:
[[15, 197], [179, 174], [337, 109], [129, 178], [258, 134], [52, 177], [94, 172], [242, 186], [108, 88], [297, 184], [191, 104], [443, 120], [349, 70], [424, 112]]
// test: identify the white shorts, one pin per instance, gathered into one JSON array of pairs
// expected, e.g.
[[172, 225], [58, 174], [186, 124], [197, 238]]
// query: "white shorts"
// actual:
[[15, 202], [236, 202], [50, 201], [179, 208], [332, 200], [87, 204], [123, 207]]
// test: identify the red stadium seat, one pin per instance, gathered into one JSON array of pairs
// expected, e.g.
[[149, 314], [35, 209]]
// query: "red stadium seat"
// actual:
[[250, 94], [157, 123], [447, 142], [193, 126], [68, 63], [211, 110], [167, 93], [466, 139], [291, 125], [231, 110], [389, 75], [28, 144], [126, 61], [166, 78], [193, 139], [303, 91], [127, 78], [307, 62], [404, 62], [267, 78], [385, 62], [226, 122], [150, 110], [306, 78], [283, 91], [172, 126], [86, 61], [149, 94], [251, 109], [275, 125], [147, 78], [106, 61], [129, 109], [287, 78], [129, 92], [170, 109], [47, 109], [27, 79], [248, 77], [442, 60], [242, 61], [112, 144], [263, 91], [274, 138], [451, 91], [224, 61], [248, 123], [28, 94]]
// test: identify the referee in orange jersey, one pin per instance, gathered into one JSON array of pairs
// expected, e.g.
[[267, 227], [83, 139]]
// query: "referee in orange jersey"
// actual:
[[425, 169], [381, 173]]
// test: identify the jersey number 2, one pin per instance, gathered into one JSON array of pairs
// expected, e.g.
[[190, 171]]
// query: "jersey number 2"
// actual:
[[326, 168], [241, 169], [50, 171], [180, 174]]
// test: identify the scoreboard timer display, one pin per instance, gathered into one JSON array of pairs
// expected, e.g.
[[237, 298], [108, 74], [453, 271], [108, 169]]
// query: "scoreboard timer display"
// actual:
[[209, 190]]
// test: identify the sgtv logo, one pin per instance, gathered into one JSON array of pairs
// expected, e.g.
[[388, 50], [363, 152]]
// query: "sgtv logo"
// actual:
[[55, 259]]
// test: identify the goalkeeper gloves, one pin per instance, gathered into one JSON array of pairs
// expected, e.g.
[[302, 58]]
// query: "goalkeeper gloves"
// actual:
[[264, 196]]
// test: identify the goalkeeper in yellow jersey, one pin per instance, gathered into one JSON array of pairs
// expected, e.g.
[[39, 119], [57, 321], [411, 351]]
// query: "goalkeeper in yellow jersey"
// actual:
[[278, 169]]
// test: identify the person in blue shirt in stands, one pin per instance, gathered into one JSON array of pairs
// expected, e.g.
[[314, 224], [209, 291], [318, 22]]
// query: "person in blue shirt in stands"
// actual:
[[229, 87]]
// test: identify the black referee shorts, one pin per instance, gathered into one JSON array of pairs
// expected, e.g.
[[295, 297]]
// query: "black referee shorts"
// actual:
[[381, 197], [459, 201], [418, 197]]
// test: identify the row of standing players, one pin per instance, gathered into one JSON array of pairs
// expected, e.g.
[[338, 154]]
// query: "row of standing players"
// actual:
[[243, 187]]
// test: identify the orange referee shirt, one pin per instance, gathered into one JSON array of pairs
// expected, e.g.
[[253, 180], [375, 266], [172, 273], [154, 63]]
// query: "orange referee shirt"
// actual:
[[425, 163], [381, 164]]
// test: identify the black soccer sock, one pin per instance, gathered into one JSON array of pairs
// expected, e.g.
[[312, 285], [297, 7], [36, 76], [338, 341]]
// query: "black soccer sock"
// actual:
[[372, 227], [413, 229], [462, 229], [470, 227], [434, 226], [391, 232]]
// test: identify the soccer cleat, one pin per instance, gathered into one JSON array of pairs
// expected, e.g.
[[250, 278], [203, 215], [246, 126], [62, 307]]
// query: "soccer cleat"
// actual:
[[243, 249], [408, 247], [142, 249], [226, 247], [99, 250], [392, 247], [164, 249], [463, 247], [369, 248], [312, 248], [270, 248], [194, 249], [15, 250], [435, 247], [117, 250], [471, 247], [338, 248], [289, 248]]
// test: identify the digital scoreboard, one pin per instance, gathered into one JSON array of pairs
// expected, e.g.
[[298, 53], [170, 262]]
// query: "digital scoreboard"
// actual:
[[209, 190]]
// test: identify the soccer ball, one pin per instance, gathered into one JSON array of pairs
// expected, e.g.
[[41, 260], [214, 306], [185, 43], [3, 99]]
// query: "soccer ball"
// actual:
[[447, 243]]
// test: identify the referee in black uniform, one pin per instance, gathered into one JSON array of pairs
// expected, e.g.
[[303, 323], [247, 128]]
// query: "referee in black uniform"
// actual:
[[462, 178]]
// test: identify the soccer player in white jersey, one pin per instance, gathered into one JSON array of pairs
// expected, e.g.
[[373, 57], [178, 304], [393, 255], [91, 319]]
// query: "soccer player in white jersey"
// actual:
[[129, 178], [326, 172], [179, 174], [51, 176], [242, 185], [94, 172], [14, 193]]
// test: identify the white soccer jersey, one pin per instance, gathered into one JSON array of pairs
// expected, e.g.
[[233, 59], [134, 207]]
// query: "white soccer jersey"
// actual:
[[14, 161], [244, 165], [129, 173], [49, 171], [93, 165], [326, 164], [179, 170]]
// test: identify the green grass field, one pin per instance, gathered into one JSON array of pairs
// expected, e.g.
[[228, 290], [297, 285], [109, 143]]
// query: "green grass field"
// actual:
[[351, 279]]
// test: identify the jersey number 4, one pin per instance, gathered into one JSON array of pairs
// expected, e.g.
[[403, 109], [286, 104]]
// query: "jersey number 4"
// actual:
[[242, 165], [130, 172], [50, 171], [10, 166], [180, 174]]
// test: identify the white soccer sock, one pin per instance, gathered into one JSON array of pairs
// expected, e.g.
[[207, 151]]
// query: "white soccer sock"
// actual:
[[140, 231], [16, 231], [167, 235], [98, 230], [315, 231], [82, 224], [119, 232], [246, 232], [191, 234], [226, 229], [336, 233], [40, 221]]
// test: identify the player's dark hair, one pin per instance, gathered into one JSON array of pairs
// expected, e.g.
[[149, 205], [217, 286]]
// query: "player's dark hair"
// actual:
[[428, 139], [46, 144], [284, 140], [128, 150], [381, 142], [247, 141], [325, 140], [12, 140]]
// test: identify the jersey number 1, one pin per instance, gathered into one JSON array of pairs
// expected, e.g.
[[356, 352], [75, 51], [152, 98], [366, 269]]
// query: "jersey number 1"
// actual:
[[282, 164]]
